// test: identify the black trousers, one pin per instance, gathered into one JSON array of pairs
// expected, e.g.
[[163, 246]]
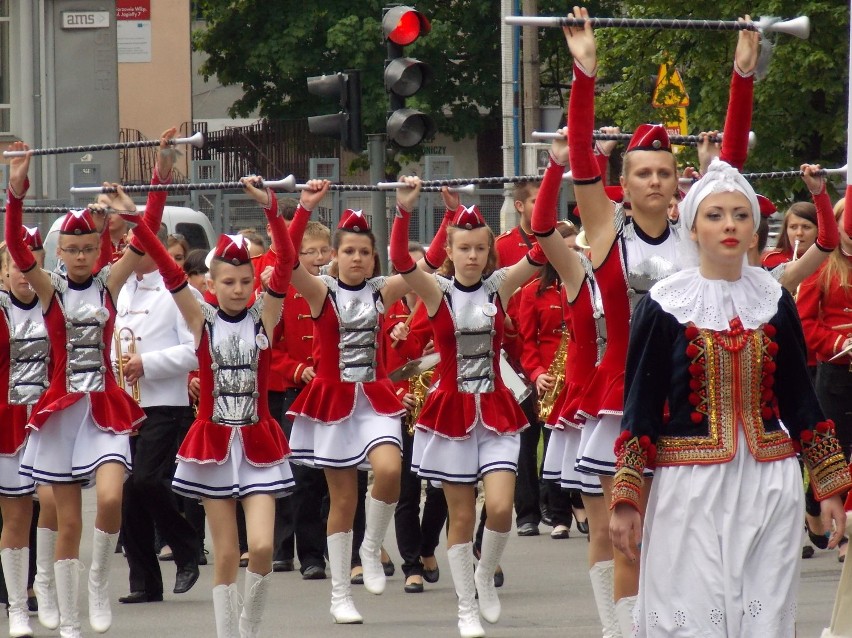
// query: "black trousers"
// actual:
[[834, 391], [416, 537], [298, 518], [149, 500]]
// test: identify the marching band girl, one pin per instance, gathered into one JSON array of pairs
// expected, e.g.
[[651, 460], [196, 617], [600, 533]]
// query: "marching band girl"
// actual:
[[234, 448], [468, 427], [631, 253], [81, 423], [348, 416]]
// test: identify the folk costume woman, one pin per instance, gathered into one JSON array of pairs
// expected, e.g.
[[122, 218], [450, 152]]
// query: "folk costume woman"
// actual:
[[721, 345], [632, 253], [348, 417], [234, 449], [468, 427], [81, 424]]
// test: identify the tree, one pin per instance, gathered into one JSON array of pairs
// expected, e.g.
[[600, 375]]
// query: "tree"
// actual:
[[799, 108], [269, 48]]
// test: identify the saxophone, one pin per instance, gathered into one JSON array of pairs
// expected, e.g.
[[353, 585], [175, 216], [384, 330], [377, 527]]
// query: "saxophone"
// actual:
[[556, 370], [419, 388]]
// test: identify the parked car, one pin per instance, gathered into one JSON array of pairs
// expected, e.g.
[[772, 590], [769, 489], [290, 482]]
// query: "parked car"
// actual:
[[192, 224]]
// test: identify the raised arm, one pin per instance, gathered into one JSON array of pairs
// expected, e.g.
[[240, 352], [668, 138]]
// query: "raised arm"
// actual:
[[520, 273], [418, 280], [174, 278], [561, 257], [285, 254], [828, 236], [738, 119], [596, 207], [154, 206], [21, 255]]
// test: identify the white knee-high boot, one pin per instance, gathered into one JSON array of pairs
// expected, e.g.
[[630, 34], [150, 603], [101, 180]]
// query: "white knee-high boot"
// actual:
[[67, 573], [44, 584], [493, 544], [601, 576], [461, 567], [100, 612], [254, 602], [226, 608], [379, 515], [339, 558], [624, 612], [15, 567]]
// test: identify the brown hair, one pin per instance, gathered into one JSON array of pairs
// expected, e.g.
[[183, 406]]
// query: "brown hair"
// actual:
[[805, 210], [337, 239], [448, 269], [287, 207], [523, 190], [838, 265], [173, 240]]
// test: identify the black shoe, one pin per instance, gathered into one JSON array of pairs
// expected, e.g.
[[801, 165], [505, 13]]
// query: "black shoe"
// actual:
[[413, 588], [186, 578], [244, 562], [820, 541], [285, 565], [202, 556], [528, 529], [32, 604], [357, 579], [583, 526], [313, 572], [807, 551], [546, 517], [431, 575], [141, 597], [499, 578], [389, 568]]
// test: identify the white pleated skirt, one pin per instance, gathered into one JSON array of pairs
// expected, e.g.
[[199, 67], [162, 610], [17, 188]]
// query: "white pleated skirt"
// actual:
[[439, 459], [721, 550], [597, 455], [235, 478], [560, 463], [344, 444], [69, 448], [12, 482]]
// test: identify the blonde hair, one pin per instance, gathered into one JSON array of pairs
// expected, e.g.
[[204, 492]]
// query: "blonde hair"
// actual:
[[448, 269], [838, 265]]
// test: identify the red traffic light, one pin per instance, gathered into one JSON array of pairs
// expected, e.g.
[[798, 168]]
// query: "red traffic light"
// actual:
[[403, 25]]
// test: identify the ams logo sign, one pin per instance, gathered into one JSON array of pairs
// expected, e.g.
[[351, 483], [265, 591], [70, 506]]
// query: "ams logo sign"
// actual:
[[85, 19]]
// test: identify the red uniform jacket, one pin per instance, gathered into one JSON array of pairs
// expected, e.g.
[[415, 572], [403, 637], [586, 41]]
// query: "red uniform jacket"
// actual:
[[826, 317], [512, 246], [541, 326], [405, 351]]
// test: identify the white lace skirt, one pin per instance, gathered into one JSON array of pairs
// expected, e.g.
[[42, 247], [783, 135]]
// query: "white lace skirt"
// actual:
[[344, 444], [235, 478], [597, 455], [69, 448], [721, 550], [12, 482], [439, 459], [560, 463]]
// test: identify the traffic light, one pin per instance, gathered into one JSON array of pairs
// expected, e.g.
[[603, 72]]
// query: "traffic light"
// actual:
[[405, 76], [346, 124]]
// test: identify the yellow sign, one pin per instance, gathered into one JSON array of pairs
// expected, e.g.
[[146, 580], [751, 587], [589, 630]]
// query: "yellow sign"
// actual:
[[669, 89], [677, 127]]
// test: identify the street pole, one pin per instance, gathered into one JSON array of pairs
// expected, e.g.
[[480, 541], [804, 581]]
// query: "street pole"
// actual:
[[376, 144]]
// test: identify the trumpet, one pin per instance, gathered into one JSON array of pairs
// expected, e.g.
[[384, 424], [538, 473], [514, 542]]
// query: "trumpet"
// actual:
[[119, 358]]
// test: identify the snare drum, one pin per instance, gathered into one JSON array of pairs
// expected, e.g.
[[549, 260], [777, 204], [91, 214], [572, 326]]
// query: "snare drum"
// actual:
[[514, 380]]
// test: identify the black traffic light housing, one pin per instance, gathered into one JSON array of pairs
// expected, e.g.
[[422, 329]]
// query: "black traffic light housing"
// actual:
[[346, 124], [404, 76]]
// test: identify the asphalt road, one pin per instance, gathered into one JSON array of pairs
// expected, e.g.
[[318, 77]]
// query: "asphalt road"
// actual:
[[547, 595]]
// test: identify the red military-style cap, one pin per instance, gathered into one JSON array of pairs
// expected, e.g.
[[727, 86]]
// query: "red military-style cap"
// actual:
[[354, 221], [32, 238], [77, 222], [231, 249], [650, 137], [766, 206], [468, 218]]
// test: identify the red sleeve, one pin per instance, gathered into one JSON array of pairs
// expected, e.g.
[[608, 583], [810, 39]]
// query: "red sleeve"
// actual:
[[297, 226], [19, 252], [546, 202], [421, 328], [285, 256], [401, 259], [847, 212], [530, 355], [581, 123], [105, 256], [828, 237], [819, 338], [437, 253], [738, 120], [773, 258]]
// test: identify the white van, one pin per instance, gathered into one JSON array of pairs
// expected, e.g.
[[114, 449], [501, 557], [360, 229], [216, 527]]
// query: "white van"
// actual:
[[192, 224]]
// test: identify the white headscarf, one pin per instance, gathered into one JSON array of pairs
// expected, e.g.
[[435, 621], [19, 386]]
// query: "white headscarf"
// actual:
[[721, 177]]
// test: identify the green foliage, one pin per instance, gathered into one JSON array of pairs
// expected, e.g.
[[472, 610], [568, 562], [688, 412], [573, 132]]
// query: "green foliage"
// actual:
[[799, 108], [270, 48]]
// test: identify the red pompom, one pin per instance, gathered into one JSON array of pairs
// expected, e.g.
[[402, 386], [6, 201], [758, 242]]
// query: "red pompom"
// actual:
[[772, 348], [644, 442], [692, 351], [696, 417], [797, 447], [822, 427], [766, 412], [695, 384], [767, 395], [691, 332], [696, 370], [769, 367], [769, 330], [806, 436], [768, 381], [694, 399]]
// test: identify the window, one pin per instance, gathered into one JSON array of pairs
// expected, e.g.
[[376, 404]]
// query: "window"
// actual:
[[5, 108]]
